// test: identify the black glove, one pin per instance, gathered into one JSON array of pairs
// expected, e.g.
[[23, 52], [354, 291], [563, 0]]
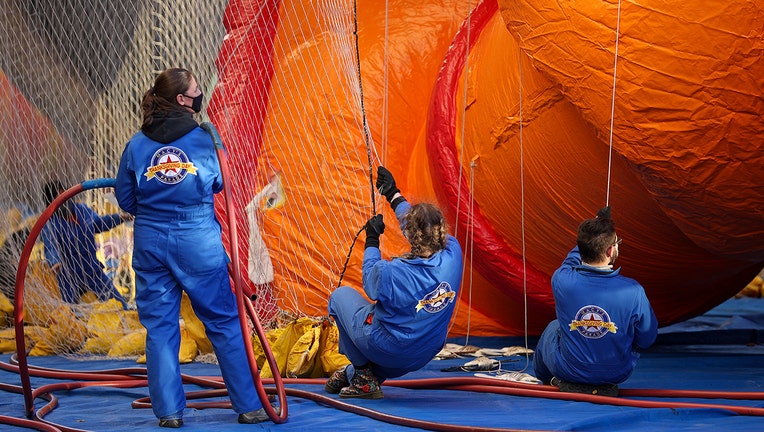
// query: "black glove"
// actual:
[[604, 213], [374, 228], [386, 183]]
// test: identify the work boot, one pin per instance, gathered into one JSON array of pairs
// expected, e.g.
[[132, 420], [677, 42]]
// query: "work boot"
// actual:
[[364, 385], [253, 417], [337, 381], [601, 390], [171, 423]]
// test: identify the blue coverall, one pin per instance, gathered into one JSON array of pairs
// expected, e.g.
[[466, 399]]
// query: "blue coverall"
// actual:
[[169, 186], [407, 323], [71, 242], [602, 318]]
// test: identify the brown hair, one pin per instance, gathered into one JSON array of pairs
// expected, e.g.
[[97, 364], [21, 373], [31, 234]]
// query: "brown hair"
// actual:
[[595, 236], [161, 97], [425, 230]]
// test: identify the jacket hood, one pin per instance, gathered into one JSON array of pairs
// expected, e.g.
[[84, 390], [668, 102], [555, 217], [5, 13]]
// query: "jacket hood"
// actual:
[[169, 126]]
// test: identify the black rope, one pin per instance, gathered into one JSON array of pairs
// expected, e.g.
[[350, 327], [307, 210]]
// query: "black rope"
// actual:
[[367, 140]]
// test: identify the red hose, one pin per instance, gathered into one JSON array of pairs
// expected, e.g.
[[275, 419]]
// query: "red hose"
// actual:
[[243, 303], [485, 385], [18, 301]]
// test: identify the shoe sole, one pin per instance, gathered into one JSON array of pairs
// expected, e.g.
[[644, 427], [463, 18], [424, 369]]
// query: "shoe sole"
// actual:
[[603, 390], [371, 395], [332, 390], [173, 424]]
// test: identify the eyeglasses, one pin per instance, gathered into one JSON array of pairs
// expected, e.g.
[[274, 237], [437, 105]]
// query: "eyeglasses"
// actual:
[[618, 241]]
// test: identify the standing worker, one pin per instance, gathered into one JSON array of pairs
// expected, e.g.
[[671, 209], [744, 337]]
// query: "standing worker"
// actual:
[[168, 175]]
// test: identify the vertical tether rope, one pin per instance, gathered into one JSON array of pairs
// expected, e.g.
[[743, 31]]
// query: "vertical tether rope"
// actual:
[[367, 140], [459, 189], [366, 135], [464, 116], [612, 103], [522, 208], [385, 84]]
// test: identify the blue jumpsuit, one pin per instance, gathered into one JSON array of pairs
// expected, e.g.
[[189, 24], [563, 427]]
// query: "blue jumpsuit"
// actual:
[[602, 318], [169, 186], [407, 324], [71, 242]]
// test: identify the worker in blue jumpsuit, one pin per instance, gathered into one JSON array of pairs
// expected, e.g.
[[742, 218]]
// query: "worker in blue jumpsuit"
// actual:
[[413, 298], [167, 178], [70, 248], [603, 317]]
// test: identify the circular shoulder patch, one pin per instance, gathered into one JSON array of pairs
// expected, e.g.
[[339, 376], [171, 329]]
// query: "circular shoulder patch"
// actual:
[[592, 322], [170, 165], [437, 299]]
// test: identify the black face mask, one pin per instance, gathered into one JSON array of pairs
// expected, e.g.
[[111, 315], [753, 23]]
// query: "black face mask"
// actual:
[[196, 105]]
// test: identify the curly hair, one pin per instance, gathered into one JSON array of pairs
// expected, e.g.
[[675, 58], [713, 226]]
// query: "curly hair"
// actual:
[[425, 230]]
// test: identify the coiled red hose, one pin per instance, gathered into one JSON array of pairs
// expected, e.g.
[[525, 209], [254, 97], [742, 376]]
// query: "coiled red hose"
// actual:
[[243, 303]]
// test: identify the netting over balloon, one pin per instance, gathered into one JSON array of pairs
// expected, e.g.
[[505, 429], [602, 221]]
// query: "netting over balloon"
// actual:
[[498, 111]]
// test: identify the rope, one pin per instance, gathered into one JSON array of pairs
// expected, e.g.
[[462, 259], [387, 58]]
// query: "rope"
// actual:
[[367, 136], [385, 84], [612, 104], [464, 115], [522, 209], [459, 191]]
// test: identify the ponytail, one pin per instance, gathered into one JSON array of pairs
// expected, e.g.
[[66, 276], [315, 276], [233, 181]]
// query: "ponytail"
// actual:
[[161, 96]]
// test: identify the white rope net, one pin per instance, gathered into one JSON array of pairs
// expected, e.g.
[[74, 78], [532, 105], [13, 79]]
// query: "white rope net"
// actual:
[[72, 74]]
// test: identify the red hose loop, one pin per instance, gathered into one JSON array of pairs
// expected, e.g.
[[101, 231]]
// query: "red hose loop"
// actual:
[[245, 307], [18, 301]]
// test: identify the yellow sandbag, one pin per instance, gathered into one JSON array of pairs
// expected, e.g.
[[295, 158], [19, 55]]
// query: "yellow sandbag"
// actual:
[[66, 333], [131, 320], [41, 348], [257, 347], [7, 346], [131, 344], [41, 296], [194, 325], [329, 356], [97, 345], [283, 345], [105, 320], [6, 305], [6, 311], [135, 344], [108, 323], [33, 335], [188, 347], [8, 340], [302, 357]]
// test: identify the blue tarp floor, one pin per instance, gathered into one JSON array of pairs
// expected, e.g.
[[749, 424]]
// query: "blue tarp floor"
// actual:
[[723, 350]]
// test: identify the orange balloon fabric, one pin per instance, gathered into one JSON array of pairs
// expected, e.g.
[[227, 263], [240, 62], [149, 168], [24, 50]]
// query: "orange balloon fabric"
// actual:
[[503, 120]]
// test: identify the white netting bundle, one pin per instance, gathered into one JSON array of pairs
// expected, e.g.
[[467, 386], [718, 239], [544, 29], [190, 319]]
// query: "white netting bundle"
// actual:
[[72, 74]]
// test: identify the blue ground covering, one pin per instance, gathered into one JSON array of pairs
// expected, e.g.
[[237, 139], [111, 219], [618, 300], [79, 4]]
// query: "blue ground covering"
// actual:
[[723, 350]]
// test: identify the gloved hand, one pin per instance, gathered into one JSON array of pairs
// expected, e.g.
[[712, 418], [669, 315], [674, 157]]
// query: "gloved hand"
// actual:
[[386, 183], [604, 213], [374, 228]]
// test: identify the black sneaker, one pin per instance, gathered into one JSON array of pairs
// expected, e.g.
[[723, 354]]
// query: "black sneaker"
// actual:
[[171, 423], [253, 417], [601, 390]]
